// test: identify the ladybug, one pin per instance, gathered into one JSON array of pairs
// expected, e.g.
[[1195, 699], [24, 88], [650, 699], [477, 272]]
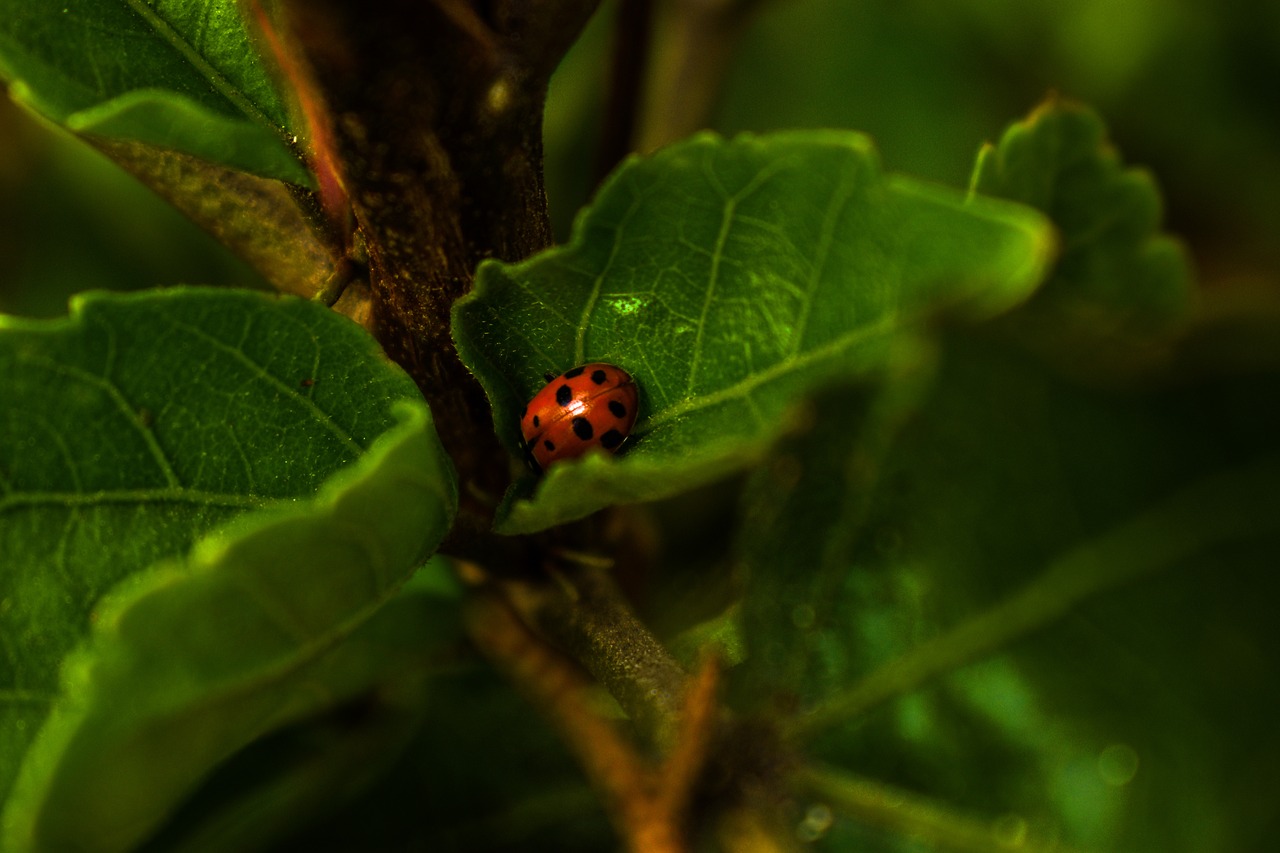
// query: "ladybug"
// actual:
[[589, 406]]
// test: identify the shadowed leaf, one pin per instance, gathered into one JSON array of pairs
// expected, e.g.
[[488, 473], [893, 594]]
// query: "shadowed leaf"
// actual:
[[1116, 269]]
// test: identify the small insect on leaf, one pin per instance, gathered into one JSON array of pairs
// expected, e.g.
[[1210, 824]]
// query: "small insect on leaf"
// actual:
[[589, 406]]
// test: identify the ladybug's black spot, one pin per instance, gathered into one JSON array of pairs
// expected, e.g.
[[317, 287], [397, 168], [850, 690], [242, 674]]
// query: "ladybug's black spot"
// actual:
[[619, 410], [611, 439], [599, 376], [574, 374], [549, 445], [582, 429], [564, 394], [535, 422]]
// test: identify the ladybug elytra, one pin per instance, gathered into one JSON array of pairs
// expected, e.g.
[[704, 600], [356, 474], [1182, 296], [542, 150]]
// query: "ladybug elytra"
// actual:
[[589, 406]]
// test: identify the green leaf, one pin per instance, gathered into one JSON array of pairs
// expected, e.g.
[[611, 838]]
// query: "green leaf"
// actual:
[[729, 278], [1117, 269], [131, 431], [1043, 599], [172, 74]]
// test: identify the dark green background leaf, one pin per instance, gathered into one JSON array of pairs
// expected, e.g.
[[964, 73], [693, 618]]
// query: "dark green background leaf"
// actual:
[[728, 278], [386, 675], [1116, 268], [1129, 721], [168, 73], [215, 404]]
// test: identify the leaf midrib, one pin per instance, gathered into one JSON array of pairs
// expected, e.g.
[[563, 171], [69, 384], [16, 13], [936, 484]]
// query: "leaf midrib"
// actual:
[[216, 78], [743, 388], [68, 500], [320, 415]]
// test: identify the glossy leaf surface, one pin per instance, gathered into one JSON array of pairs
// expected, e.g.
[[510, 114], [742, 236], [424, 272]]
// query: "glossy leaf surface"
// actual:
[[729, 278]]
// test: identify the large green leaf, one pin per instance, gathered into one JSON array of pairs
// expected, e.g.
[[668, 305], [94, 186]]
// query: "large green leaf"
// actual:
[[1117, 269], [173, 74], [729, 277], [1042, 603], [130, 431]]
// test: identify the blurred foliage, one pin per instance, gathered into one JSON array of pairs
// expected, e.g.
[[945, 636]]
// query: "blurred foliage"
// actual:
[[1187, 87], [1122, 517], [72, 221]]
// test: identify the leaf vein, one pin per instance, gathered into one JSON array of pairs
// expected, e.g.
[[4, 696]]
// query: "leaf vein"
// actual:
[[589, 307], [72, 500], [779, 369], [289, 390], [113, 392], [216, 78], [839, 199], [726, 224]]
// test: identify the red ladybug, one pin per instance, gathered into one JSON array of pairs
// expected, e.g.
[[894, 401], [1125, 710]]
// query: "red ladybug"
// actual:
[[589, 406]]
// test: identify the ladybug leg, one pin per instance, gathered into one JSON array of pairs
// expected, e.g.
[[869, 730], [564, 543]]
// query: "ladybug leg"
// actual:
[[550, 377], [527, 454]]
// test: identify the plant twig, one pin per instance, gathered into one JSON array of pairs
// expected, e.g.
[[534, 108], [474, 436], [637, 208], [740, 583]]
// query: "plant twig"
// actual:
[[554, 684], [587, 616], [1218, 509], [693, 741], [648, 800], [923, 820]]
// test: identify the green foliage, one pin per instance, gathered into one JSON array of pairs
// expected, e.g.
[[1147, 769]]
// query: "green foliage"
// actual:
[[1116, 267], [1003, 557], [167, 73], [1015, 500], [132, 560], [729, 278]]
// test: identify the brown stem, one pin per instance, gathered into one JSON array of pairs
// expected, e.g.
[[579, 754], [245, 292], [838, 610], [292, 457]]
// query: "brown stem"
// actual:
[[694, 738], [711, 761], [434, 109], [555, 685]]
